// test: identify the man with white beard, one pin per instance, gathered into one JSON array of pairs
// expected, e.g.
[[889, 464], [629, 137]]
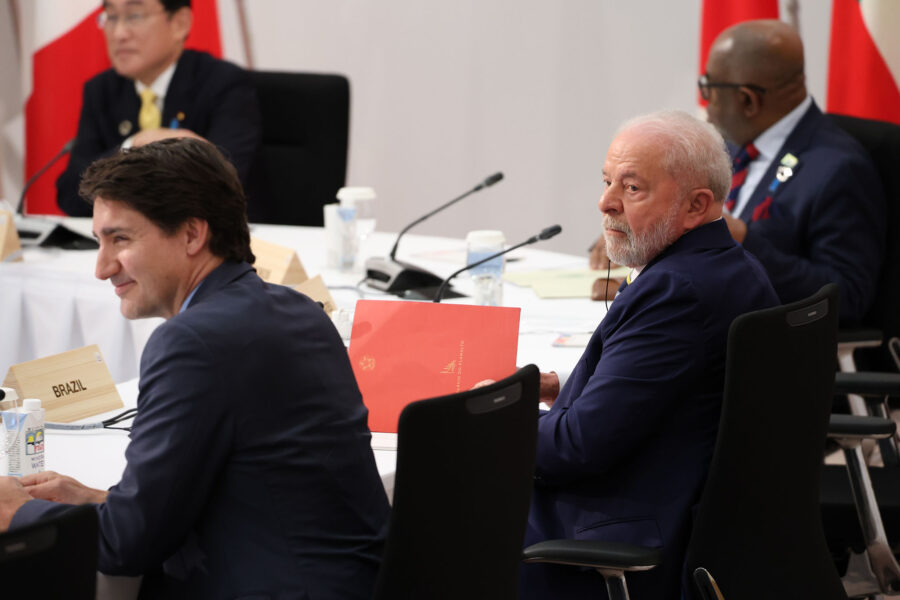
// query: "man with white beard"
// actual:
[[624, 449]]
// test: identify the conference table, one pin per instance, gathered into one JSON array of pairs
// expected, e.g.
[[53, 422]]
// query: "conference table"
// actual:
[[52, 302]]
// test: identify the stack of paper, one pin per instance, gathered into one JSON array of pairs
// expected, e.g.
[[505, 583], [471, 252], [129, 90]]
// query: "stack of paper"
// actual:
[[563, 283]]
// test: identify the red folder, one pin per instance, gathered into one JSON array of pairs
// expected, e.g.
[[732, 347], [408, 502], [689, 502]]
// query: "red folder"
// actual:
[[403, 351]]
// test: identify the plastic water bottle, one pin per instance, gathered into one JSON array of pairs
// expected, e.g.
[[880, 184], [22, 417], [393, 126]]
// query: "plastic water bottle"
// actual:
[[25, 438], [488, 277], [340, 237]]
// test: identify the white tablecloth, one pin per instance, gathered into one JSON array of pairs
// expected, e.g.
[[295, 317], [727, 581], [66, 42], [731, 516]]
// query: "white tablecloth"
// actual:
[[51, 302]]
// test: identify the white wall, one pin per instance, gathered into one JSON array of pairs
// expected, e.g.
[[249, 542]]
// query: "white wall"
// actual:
[[446, 93]]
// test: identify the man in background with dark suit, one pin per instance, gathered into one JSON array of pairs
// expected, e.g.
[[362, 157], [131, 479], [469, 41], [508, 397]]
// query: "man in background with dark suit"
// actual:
[[249, 471], [156, 89], [624, 449], [805, 198], [807, 201]]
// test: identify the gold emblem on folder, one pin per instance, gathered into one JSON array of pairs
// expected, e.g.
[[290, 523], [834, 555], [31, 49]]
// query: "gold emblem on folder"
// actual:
[[367, 363]]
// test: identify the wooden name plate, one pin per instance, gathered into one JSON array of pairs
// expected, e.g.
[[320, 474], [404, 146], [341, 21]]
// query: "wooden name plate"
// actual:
[[315, 289], [10, 250], [72, 385], [277, 264]]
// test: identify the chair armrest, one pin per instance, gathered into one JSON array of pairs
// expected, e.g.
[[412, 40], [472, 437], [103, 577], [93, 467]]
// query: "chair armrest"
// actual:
[[856, 427], [867, 383], [594, 554], [859, 337]]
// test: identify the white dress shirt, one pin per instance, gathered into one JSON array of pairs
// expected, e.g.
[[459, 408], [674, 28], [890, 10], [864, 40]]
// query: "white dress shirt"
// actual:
[[769, 142]]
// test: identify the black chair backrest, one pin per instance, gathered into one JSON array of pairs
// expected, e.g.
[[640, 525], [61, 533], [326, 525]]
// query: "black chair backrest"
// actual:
[[465, 466], [54, 558], [882, 141], [758, 528], [306, 125]]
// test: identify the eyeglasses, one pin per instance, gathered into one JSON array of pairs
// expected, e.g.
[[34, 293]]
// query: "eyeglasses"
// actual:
[[706, 85], [131, 20]]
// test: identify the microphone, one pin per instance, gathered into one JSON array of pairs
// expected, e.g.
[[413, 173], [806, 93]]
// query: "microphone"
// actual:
[[391, 275], [545, 234], [67, 147], [47, 233]]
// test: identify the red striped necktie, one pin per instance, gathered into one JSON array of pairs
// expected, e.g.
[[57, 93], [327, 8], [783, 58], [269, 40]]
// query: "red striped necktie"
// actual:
[[742, 160]]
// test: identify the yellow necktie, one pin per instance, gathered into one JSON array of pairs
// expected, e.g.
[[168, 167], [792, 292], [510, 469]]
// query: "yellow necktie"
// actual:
[[149, 117]]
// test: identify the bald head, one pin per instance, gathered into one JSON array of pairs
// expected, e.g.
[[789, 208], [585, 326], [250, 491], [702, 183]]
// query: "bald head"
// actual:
[[767, 57], [767, 53]]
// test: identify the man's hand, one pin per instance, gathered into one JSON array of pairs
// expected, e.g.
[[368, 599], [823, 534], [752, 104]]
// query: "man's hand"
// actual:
[[59, 488], [598, 258], [161, 133], [736, 227], [601, 291], [549, 388], [12, 497]]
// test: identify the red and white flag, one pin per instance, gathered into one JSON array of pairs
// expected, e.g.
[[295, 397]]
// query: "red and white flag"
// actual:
[[718, 15], [864, 60], [63, 49]]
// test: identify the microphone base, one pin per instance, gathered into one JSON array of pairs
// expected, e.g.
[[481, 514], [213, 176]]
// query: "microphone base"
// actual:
[[403, 279], [47, 233]]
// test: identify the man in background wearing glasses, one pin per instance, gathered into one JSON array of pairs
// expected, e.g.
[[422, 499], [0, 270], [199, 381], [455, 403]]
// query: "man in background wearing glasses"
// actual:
[[156, 89], [805, 198]]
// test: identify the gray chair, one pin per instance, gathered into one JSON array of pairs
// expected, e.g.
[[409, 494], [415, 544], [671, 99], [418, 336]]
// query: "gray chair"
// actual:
[[306, 126]]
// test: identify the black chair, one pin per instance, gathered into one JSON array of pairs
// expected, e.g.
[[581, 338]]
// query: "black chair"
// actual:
[[853, 511], [861, 505], [465, 466], [54, 558], [757, 527], [860, 348], [306, 124]]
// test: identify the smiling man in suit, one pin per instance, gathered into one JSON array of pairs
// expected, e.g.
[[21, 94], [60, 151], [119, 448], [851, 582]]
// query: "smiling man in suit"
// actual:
[[624, 449], [806, 199], [156, 89], [250, 471]]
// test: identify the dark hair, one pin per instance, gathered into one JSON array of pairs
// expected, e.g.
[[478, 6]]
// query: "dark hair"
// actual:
[[171, 181], [173, 5]]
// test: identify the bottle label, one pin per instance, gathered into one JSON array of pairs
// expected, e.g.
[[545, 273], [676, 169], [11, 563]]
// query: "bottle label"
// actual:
[[23, 442]]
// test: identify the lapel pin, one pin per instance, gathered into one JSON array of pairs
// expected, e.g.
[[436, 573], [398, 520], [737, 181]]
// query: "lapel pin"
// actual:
[[125, 127], [784, 173], [789, 160]]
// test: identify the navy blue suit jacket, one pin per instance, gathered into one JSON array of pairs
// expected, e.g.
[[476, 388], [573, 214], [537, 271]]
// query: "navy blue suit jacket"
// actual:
[[250, 470], [826, 222], [211, 97], [624, 451]]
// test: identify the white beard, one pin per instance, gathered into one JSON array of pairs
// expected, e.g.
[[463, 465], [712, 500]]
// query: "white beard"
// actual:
[[638, 250]]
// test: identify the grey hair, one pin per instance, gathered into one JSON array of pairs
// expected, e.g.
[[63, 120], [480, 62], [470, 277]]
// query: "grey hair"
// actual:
[[694, 152]]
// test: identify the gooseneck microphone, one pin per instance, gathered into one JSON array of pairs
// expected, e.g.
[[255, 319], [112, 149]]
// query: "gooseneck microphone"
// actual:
[[67, 147], [48, 232], [488, 182], [545, 234], [390, 275]]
